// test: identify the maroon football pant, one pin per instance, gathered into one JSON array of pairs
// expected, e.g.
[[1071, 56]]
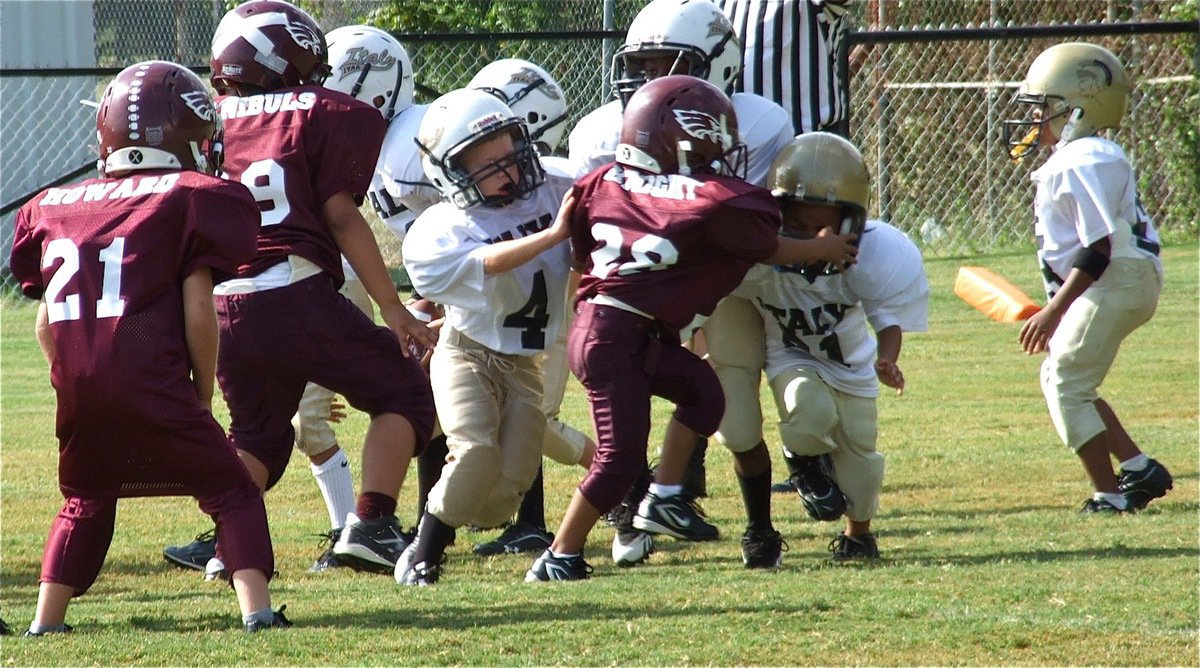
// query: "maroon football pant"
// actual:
[[622, 359], [83, 530]]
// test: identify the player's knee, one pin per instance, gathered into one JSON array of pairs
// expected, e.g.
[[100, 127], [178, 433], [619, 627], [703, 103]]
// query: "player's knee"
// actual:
[[563, 443], [806, 425], [741, 425]]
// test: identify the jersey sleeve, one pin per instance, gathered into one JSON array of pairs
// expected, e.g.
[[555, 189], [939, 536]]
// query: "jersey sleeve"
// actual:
[[349, 142], [1083, 195], [222, 228], [747, 225], [25, 260], [443, 261], [890, 280]]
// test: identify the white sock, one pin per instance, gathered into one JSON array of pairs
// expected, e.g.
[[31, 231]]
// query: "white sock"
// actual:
[[333, 479], [264, 616], [563, 556], [38, 629], [1116, 500], [1137, 463], [665, 491]]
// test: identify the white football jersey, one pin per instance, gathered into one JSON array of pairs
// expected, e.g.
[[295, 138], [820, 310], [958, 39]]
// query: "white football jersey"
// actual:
[[822, 324], [400, 190], [517, 312], [1086, 191], [763, 126]]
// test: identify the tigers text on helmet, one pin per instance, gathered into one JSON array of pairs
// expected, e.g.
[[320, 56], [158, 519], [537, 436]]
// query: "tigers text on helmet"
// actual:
[[1077, 90], [531, 93], [369, 64], [267, 45], [680, 124], [826, 169], [465, 118], [694, 33], [157, 115]]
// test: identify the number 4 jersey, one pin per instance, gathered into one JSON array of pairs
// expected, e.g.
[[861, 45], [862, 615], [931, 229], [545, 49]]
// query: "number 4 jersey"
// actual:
[[516, 312], [822, 323]]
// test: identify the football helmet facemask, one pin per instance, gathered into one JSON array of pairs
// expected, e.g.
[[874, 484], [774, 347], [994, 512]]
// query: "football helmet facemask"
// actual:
[[826, 169], [157, 115], [694, 33], [679, 124], [530, 92], [369, 64], [1076, 88], [266, 45], [465, 117]]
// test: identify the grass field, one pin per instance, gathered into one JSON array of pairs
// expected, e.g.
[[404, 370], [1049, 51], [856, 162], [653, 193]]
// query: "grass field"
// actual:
[[985, 560]]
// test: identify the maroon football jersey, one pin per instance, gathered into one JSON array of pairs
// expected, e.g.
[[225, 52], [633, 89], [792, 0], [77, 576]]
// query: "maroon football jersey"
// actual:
[[670, 246], [294, 149], [109, 257]]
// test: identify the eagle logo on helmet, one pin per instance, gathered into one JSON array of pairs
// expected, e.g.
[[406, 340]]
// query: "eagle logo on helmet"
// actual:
[[304, 36], [719, 25], [200, 104], [1093, 76], [701, 125], [533, 79]]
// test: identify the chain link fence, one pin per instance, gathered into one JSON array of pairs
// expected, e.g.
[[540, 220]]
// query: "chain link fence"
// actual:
[[927, 114]]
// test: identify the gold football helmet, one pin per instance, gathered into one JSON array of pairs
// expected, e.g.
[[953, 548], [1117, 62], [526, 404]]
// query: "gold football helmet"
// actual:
[[1077, 88]]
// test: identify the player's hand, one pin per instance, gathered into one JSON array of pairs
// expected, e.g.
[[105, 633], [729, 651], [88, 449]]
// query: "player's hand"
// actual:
[[561, 229], [890, 375], [836, 249], [337, 411], [408, 330], [1037, 330]]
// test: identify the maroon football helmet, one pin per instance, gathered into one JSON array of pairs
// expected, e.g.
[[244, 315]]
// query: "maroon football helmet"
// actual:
[[157, 115], [268, 45], [680, 124]]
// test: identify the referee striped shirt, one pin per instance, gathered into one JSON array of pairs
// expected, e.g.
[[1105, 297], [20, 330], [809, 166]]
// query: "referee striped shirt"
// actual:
[[790, 56]]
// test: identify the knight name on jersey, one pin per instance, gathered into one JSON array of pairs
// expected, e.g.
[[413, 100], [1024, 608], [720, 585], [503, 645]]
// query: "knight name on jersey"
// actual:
[[524, 229], [269, 103], [94, 192], [666, 186]]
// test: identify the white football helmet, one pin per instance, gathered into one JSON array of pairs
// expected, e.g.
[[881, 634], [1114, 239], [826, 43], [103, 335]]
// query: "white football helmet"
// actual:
[[530, 92], [461, 118], [370, 65], [694, 32]]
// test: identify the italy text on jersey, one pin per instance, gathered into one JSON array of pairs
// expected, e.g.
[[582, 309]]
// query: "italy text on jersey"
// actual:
[[130, 187], [666, 186], [269, 103]]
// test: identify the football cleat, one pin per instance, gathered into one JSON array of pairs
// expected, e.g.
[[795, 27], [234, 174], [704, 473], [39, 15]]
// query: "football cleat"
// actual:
[[194, 555], [819, 494], [763, 549], [674, 516], [62, 628], [278, 621], [1142, 487], [328, 559], [1102, 507], [549, 568], [5, 630], [631, 547], [517, 538], [846, 548], [371, 546], [785, 486]]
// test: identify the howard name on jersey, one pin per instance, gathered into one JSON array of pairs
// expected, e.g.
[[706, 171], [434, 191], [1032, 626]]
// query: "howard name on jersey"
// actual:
[[516, 312], [669, 246], [823, 322], [400, 191], [763, 126], [294, 150]]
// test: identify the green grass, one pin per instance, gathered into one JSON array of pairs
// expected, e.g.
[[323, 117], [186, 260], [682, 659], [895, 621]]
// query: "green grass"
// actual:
[[985, 560]]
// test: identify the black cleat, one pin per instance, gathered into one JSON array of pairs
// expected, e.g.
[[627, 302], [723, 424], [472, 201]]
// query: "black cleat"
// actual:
[[787, 486], [846, 548], [1102, 507], [1142, 487], [65, 628], [674, 516], [196, 554], [763, 549], [819, 494], [278, 621], [517, 538], [549, 568], [372, 546], [328, 559]]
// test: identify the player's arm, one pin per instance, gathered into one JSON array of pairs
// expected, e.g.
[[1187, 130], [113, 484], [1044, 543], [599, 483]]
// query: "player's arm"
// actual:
[[1087, 268], [41, 330], [357, 243], [889, 340], [507, 255], [200, 331], [836, 249]]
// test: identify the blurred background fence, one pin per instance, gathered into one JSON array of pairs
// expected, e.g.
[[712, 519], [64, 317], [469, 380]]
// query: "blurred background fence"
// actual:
[[932, 81]]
